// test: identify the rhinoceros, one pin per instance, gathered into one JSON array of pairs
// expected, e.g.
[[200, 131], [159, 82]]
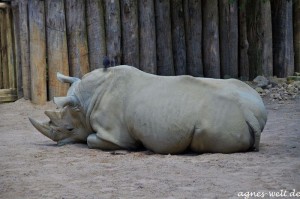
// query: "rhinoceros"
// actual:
[[124, 108]]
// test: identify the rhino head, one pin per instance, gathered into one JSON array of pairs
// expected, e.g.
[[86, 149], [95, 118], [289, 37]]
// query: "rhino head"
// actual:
[[68, 124]]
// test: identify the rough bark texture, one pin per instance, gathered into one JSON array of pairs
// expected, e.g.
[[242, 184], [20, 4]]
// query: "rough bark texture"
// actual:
[[37, 51], [57, 50], [211, 55], [1, 78], [113, 31], [17, 48], [4, 49], [260, 38], [130, 32], [178, 37], [147, 36], [228, 20], [164, 52], [3, 67], [24, 47], [96, 33], [10, 49], [1, 72], [267, 53], [77, 37], [243, 42], [296, 18], [193, 34], [282, 26]]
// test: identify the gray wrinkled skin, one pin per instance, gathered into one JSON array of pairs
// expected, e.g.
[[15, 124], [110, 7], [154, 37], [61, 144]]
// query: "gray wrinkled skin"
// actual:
[[124, 108]]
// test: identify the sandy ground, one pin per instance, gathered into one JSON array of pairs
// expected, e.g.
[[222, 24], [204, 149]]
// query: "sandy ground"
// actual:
[[32, 166]]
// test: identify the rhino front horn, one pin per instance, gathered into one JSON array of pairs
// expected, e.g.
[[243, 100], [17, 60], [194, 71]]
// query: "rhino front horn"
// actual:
[[43, 128]]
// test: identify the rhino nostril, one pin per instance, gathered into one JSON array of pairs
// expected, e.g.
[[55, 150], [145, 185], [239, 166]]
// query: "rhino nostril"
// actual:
[[69, 128]]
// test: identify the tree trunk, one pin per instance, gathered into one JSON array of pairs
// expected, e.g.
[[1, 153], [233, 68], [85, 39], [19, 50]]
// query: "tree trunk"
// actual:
[[77, 38], [193, 34], [165, 64], [228, 15], [147, 36], [113, 31], [282, 26], [37, 51], [24, 48], [57, 50], [130, 32], [96, 33], [178, 37], [297, 34], [211, 54], [260, 38], [17, 49], [243, 42]]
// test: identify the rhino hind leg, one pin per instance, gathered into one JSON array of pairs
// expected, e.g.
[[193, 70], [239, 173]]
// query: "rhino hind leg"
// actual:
[[94, 142], [255, 127]]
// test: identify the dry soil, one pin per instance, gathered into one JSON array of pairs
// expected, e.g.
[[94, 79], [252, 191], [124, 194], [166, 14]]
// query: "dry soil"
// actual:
[[32, 166]]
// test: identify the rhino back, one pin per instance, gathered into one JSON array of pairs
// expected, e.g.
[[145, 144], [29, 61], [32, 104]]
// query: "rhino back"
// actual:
[[163, 114]]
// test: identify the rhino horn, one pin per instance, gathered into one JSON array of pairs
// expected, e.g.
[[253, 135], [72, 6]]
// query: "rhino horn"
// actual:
[[66, 79], [65, 101], [43, 128], [54, 116]]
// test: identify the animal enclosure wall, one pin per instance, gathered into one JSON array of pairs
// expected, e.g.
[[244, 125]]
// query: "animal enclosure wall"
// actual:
[[7, 59], [211, 38]]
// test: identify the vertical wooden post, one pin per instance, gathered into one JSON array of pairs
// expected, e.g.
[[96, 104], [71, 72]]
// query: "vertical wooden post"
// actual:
[[193, 31], [1, 66], [77, 37], [130, 34], [17, 48], [211, 54], [24, 48], [267, 46], [178, 37], [282, 26], [228, 20], [165, 65], [57, 52], [113, 31], [10, 49], [259, 33], [243, 42], [296, 18], [96, 33], [147, 36], [4, 49], [37, 51]]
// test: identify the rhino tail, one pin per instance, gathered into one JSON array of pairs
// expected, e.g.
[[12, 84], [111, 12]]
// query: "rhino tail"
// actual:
[[254, 126]]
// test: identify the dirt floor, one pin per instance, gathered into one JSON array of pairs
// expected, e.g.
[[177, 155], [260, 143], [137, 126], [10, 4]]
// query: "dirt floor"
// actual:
[[32, 166]]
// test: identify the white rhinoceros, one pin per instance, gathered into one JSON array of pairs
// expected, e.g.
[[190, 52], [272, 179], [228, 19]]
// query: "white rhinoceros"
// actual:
[[124, 108]]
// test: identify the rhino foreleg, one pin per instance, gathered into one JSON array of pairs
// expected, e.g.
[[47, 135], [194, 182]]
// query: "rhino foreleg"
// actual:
[[94, 142]]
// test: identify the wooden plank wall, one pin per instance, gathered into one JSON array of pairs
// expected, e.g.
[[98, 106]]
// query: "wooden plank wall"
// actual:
[[8, 60], [212, 38]]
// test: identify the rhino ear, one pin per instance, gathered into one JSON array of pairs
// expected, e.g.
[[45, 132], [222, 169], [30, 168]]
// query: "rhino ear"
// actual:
[[66, 79], [65, 101]]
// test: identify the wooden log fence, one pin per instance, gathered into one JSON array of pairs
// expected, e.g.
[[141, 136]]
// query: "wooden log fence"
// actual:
[[8, 82], [211, 38]]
